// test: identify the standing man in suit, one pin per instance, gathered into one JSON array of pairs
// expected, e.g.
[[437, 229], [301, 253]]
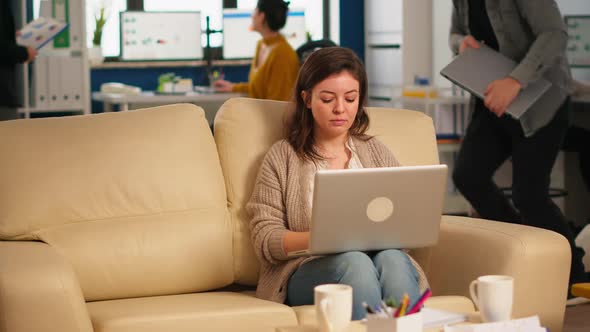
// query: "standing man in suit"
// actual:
[[10, 55], [534, 35]]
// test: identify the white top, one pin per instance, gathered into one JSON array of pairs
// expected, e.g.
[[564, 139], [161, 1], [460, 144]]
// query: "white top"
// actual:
[[354, 162]]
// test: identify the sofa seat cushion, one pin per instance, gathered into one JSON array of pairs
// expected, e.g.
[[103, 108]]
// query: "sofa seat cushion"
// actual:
[[213, 311], [306, 313]]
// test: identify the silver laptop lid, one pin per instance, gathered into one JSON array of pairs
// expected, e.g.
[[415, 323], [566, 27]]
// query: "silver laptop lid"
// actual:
[[474, 69], [377, 208]]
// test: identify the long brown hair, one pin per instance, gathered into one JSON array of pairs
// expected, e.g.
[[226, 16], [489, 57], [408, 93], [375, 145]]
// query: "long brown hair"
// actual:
[[320, 65]]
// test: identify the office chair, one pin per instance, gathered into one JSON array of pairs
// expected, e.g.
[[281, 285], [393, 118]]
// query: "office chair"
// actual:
[[306, 49]]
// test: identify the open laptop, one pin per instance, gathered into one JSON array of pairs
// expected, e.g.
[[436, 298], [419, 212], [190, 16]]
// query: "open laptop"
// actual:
[[474, 69], [376, 208]]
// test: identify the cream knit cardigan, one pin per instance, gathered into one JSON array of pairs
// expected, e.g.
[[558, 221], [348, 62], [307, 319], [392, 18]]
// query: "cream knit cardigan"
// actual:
[[279, 203]]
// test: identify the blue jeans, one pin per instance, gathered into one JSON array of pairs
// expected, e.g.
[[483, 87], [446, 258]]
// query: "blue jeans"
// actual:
[[373, 276]]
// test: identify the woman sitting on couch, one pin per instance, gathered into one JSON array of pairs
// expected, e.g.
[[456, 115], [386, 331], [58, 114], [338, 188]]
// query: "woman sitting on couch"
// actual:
[[326, 131]]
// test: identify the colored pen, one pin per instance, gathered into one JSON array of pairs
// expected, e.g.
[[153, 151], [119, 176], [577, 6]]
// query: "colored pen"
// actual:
[[418, 305], [402, 308]]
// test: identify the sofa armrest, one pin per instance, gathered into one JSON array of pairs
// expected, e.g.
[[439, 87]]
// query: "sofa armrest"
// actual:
[[39, 290], [538, 259]]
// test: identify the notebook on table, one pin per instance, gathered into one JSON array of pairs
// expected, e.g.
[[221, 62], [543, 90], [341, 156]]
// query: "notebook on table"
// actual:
[[376, 208], [474, 69]]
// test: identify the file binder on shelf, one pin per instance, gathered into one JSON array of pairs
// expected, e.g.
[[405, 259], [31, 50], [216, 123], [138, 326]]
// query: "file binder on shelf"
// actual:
[[40, 82]]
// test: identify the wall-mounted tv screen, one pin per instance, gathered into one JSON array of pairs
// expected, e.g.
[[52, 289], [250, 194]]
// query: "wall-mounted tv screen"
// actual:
[[153, 36], [239, 41]]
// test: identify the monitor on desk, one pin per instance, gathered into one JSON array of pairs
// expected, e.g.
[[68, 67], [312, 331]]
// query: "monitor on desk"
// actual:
[[159, 36], [239, 41], [578, 46]]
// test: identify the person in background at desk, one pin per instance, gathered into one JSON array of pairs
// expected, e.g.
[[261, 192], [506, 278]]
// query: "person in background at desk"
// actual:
[[534, 35], [326, 131], [10, 55], [275, 64]]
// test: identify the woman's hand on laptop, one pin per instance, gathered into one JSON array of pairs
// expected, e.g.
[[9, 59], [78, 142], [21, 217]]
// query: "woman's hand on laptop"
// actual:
[[295, 241], [468, 41], [500, 94]]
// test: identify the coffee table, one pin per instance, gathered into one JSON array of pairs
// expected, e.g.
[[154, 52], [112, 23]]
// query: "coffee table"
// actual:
[[358, 326]]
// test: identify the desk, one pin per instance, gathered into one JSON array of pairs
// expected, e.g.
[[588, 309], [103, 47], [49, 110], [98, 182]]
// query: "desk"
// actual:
[[210, 102], [582, 99]]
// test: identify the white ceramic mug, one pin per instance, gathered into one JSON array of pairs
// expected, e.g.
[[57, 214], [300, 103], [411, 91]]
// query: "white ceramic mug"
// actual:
[[493, 297], [333, 304]]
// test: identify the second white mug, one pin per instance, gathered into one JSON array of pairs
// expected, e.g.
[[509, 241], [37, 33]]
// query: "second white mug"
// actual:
[[333, 304], [493, 297]]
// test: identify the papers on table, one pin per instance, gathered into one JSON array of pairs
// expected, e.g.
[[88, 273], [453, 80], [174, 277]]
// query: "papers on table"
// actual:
[[39, 32], [436, 318], [528, 324]]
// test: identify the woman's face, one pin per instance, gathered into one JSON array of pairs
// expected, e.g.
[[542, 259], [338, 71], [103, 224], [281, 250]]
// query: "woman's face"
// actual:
[[257, 20], [334, 103]]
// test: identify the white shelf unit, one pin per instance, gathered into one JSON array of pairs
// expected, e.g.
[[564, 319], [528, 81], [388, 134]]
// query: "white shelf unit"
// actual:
[[383, 46], [393, 54], [446, 106], [59, 78]]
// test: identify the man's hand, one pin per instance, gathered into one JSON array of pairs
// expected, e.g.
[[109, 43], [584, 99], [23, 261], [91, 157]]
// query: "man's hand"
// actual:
[[468, 41], [500, 94], [31, 54], [223, 86]]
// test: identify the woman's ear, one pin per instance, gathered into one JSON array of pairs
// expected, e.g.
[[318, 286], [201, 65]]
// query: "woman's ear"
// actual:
[[306, 99], [263, 18]]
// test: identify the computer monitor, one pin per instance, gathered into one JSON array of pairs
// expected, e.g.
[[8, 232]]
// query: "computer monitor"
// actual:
[[239, 41], [160, 36], [295, 30], [578, 46]]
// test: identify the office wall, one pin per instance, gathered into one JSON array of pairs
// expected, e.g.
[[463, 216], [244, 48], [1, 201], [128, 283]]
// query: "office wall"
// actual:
[[441, 53], [417, 48]]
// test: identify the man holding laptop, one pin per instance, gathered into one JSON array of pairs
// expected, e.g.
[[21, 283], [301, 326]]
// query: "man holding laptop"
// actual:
[[533, 34]]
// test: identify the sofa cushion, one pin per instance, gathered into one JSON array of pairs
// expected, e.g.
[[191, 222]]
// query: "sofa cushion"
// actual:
[[135, 201], [410, 135], [246, 128], [215, 311]]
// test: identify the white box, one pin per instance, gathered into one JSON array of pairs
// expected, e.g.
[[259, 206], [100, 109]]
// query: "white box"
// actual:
[[409, 323]]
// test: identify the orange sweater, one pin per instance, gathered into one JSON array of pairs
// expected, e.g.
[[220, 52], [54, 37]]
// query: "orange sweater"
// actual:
[[275, 78]]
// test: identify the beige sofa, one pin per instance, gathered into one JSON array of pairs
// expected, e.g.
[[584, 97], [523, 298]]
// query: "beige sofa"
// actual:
[[134, 221]]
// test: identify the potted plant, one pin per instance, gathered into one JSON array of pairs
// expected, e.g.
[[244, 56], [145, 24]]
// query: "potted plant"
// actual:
[[95, 53]]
